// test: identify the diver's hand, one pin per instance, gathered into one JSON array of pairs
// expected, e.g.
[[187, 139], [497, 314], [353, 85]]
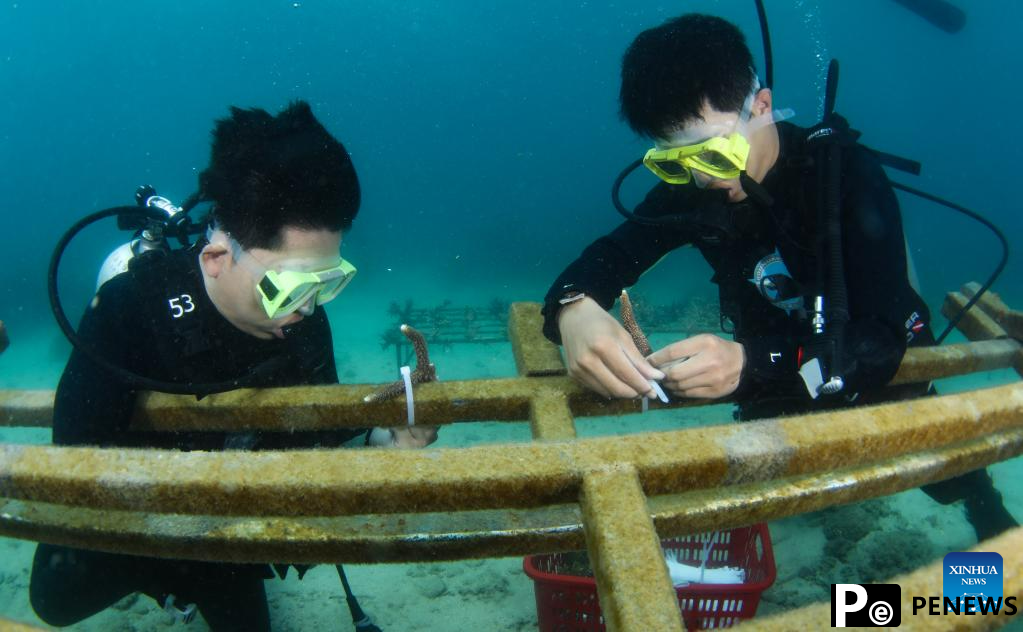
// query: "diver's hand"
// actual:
[[601, 353], [412, 437], [712, 369]]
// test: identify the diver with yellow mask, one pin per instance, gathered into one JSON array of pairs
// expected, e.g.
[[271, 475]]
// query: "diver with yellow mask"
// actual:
[[715, 148], [800, 226], [242, 307]]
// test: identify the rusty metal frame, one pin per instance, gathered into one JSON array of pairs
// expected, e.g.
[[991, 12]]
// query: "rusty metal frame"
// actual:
[[617, 494]]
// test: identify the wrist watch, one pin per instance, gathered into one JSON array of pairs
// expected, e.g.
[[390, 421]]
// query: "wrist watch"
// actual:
[[571, 297]]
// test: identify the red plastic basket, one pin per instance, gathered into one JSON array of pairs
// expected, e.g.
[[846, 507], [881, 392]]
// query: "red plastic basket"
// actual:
[[567, 603]]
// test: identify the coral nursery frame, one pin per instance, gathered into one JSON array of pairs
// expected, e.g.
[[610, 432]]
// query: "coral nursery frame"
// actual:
[[614, 496]]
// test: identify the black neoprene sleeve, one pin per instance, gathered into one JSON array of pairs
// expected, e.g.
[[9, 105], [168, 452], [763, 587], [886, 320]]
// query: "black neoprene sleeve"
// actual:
[[91, 406], [616, 261]]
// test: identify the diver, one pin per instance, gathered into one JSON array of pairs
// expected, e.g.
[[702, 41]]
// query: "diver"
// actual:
[[283, 191], [742, 186]]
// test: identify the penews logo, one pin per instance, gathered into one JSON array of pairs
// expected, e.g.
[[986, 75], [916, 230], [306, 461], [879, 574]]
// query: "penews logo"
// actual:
[[974, 578], [866, 605]]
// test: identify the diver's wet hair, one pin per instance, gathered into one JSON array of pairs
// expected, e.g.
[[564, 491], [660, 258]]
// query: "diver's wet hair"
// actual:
[[270, 172], [668, 71]]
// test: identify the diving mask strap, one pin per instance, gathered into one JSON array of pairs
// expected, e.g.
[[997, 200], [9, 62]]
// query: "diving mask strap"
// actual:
[[747, 104], [237, 251], [763, 120], [748, 184]]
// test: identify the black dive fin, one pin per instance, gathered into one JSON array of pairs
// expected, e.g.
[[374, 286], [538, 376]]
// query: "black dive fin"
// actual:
[[944, 15]]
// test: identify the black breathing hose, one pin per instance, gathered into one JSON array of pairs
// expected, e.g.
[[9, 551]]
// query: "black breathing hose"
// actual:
[[258, 378], [976, 216], [838, 297], [765, 37]]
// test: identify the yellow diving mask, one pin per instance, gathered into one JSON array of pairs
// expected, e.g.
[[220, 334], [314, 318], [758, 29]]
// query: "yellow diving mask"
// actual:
[[282, 292], [723, 158], [720, 153]]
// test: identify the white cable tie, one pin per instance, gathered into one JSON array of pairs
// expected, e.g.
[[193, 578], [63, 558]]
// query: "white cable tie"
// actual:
[[707, 548], [660, 391], [410, 406]]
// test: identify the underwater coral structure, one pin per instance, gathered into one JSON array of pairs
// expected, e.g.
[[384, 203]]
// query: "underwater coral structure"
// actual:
[[447, 324], [631, 326], [425, 371]]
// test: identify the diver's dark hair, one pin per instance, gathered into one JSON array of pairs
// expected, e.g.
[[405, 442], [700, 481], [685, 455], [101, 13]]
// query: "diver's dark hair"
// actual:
[[668, 72], [271, 172]]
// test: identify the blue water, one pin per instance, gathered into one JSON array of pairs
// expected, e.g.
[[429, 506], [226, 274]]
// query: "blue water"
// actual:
[[485, 135]]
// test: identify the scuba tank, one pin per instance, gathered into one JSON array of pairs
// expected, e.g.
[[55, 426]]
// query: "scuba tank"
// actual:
[[150, 236]]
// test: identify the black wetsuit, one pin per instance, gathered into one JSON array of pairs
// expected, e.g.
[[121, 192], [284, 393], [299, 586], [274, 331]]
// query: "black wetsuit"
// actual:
[[885, 313], [157, 320]]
